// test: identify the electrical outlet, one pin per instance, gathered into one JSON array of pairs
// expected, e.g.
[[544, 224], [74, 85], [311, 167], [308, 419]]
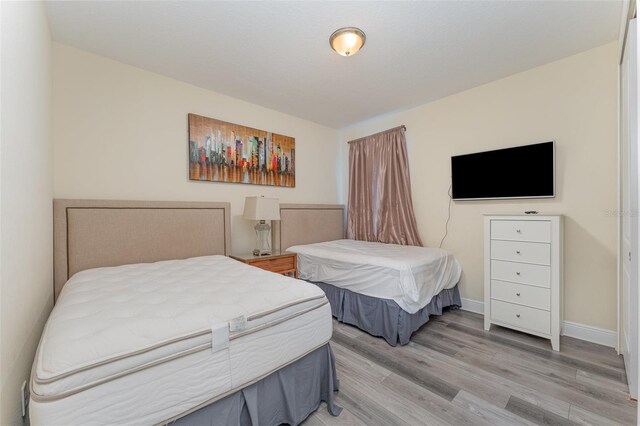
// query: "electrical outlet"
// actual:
[[24, 394]]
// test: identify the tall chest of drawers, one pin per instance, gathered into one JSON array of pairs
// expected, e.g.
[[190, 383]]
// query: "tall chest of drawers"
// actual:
[[523, 274]]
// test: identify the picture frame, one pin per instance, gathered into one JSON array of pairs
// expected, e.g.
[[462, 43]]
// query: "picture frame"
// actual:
[[221, 151]]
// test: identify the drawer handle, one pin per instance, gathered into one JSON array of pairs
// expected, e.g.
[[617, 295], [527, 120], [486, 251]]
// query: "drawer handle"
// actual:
[[518, 294], [518, 315], [517, 251], [518, 231], [518, 273]]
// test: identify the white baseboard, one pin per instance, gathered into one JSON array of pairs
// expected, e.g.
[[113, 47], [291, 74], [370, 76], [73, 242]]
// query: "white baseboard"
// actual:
[[569, 328], [472, 306], [589, 333]]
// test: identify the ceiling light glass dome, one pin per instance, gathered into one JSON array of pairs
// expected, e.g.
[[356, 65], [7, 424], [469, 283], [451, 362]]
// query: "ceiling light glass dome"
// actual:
[[347, 41]]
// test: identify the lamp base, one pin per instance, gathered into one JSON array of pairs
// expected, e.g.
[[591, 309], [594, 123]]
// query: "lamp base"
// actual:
[[263, 234]]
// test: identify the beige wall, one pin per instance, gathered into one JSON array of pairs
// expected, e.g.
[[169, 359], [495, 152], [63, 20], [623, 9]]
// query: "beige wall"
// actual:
[[25, 195], [121, 133], [571, 101]]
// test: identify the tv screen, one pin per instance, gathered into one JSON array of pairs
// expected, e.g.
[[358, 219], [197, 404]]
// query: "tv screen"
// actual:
[[519, 172]]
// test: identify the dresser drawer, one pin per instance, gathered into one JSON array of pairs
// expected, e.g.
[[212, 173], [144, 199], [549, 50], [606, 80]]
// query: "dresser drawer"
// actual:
[[521, 230], [522, 294], [524, 273], [517, 251], [531, 319]]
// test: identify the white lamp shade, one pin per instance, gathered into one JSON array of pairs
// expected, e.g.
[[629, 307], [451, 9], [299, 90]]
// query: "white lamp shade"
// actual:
[[261, 208]]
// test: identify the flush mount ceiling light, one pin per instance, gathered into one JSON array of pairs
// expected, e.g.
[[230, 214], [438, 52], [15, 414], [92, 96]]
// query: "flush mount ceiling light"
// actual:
[[347, 41]]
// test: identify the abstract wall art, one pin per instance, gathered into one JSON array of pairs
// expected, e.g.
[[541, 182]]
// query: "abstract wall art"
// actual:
[[226, 152]]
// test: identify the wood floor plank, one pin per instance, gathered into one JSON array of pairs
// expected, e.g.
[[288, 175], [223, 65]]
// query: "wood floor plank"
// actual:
[[605, 371], [441, 364], [533, 365], [459, 317], [476, 336], [419, 358], [535, 414], [433, 342], [569, 382], [476, 321], [454, 340], [364, 377], [396, 365], [441, 410], [495, 416], [592, 352], [347, 329], [453, 372], [551, 375], [500, 384], [477, 344], [349, 359], [570, 346], [587, 418], [517, 355], [366, 410], [315, 419], [395, 403], [595, 380], [622, 411], [346, 418]]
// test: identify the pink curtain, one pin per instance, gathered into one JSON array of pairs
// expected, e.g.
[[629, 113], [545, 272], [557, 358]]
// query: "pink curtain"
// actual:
[[380, 205]]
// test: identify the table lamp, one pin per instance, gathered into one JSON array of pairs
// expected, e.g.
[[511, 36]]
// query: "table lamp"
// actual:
[[262, 209]]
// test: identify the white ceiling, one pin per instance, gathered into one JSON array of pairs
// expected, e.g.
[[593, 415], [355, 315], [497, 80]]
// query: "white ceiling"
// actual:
[[277, 54]]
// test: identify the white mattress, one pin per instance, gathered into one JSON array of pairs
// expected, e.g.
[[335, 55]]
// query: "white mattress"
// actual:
[[133, 344], [409, 275]]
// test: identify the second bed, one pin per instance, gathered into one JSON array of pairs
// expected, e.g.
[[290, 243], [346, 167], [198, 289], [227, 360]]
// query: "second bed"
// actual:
[[386, 290]]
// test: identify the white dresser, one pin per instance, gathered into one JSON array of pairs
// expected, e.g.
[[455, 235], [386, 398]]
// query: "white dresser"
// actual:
[[523, 274]]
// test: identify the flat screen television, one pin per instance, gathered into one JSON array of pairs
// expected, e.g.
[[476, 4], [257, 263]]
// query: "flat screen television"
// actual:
[[520, 172]]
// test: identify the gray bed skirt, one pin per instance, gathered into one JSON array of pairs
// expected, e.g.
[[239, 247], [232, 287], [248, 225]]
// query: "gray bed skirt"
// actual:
[[287, 396], [384, 317]]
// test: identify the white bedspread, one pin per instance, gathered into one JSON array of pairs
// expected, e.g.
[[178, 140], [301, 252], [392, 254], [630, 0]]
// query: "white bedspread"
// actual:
[[409, 275]]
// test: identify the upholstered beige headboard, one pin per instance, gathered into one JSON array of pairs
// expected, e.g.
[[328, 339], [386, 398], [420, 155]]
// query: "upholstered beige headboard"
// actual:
[[308, 223], [96, 233]]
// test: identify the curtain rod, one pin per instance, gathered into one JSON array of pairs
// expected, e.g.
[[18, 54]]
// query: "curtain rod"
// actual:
[[403, 127]]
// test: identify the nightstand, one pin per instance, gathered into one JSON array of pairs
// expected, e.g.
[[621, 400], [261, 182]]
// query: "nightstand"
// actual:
[[281, 263]]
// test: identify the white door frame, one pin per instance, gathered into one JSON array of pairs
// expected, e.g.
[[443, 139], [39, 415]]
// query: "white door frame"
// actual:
[[628, 13], [630, 190]]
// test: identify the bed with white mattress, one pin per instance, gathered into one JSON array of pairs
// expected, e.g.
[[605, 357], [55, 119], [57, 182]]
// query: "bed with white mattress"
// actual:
[[386, 290], [411, 276], [202, 340]]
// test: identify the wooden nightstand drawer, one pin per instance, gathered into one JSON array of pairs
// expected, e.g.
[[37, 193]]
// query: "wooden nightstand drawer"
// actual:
[[280, 263], [275, 264]]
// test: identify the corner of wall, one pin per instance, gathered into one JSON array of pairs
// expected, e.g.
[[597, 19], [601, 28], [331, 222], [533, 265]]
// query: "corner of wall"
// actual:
[[26, 223]]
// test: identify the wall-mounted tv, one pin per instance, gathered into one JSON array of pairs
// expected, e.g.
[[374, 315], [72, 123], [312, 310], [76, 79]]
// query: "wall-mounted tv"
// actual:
[[520, 172]]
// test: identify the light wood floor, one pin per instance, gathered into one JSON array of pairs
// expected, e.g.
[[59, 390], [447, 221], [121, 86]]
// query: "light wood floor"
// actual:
[[455, 373]]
